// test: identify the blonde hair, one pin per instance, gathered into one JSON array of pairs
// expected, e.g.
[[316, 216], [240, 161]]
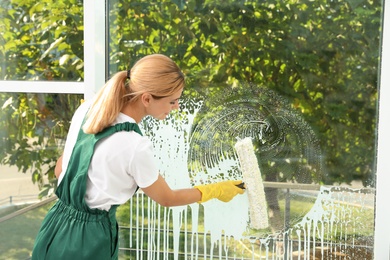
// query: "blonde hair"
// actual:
[[156, 74]]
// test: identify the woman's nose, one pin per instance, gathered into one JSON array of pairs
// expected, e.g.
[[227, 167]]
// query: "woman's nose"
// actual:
[[175, 106]]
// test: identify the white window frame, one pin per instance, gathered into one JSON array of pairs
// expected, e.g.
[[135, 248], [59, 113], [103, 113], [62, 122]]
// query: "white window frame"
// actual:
[[382, 211], [95, 63], [41, 86], [94, 78]]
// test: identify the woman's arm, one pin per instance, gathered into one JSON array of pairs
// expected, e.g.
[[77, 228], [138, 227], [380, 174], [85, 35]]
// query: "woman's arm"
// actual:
[[160, 192], [58, 168]]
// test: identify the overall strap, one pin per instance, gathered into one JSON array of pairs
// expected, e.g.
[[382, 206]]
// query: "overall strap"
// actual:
[[127, 126]]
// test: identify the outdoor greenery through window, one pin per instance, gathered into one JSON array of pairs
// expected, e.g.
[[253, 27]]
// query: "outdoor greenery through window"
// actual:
[[299, 77], [307, 72], [321, 56], [41, 40]]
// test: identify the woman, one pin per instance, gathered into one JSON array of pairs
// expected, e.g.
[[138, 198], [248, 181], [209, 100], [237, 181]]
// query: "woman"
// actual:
[[106, 159]]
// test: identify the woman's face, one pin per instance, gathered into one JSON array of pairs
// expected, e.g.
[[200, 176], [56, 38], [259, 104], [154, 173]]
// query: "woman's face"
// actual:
[[161, 107]]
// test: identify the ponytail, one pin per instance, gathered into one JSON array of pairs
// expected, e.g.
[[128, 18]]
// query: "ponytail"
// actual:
[[107, 104]]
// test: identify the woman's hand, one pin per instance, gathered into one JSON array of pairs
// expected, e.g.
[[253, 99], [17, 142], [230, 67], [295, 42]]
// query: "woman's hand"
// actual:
[[224, 191]]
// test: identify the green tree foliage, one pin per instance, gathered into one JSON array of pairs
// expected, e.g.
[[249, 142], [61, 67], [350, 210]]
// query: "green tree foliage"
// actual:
[[41, 40], [322, 56]]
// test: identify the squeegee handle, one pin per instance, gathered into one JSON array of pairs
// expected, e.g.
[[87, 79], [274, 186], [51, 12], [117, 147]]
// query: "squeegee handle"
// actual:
[[241, 185]]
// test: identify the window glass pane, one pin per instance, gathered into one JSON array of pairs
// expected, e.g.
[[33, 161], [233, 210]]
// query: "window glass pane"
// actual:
[[300, 79], [33, 129], [20, 231], [41, 40]]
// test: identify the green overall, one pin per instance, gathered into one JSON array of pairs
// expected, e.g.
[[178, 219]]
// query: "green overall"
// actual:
[[71, 230]]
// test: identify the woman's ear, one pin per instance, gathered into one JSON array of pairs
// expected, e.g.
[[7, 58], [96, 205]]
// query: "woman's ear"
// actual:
[[146, 98]]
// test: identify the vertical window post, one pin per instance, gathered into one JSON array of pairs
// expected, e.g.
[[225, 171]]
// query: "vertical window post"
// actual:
[[94, 46], [382, 212]]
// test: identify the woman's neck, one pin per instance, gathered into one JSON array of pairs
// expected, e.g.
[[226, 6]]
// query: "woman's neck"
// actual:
[[134, 110]]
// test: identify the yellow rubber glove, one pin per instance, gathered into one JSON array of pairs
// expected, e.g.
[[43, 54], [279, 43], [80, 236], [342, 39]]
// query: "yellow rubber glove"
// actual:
[[224, 191]]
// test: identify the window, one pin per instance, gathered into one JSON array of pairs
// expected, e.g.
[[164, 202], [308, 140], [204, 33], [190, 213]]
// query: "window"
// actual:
[[302, 81]]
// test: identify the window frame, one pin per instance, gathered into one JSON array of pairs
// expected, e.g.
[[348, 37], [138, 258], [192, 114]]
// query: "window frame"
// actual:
[[382, 213]]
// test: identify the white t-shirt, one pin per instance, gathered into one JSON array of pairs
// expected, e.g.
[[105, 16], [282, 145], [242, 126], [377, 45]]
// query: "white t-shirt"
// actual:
[[120, 163]]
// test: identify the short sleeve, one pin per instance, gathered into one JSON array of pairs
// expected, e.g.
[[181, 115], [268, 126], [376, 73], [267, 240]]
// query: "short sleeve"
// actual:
[[143, 167]]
